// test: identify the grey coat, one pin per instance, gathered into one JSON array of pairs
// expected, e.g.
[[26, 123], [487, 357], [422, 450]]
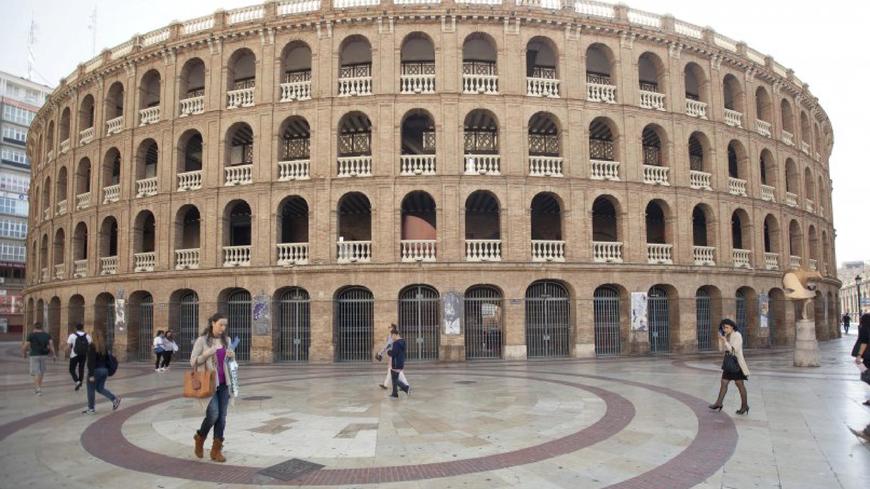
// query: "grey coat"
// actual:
[[199, 360]]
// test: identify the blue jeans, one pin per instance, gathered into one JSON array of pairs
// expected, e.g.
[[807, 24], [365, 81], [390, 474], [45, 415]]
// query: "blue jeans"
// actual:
[[216, 413], [99, 385]]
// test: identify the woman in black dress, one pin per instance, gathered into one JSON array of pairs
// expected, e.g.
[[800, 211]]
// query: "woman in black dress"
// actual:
[[733, 340]]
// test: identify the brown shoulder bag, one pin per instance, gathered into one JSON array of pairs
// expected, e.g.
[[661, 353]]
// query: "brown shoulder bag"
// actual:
[[199, 384]]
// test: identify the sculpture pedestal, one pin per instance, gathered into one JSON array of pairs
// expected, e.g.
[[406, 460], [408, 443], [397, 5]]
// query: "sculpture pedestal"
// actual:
[[806, 348]]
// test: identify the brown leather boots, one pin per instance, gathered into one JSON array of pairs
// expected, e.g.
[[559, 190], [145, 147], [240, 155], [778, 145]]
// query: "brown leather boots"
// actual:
[[198, 442], [216, 445]]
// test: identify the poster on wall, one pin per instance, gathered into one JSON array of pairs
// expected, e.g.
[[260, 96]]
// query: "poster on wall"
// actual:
[[639, 320], [452, 313], [763, 310], [261, 315], [120, 314]]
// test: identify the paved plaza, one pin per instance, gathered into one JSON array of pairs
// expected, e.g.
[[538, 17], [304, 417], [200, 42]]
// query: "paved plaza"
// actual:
[[636, 422]]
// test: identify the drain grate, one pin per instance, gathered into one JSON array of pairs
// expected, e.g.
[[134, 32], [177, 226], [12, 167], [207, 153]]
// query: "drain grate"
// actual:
[[465, 382], [291, 469], [256, 398]]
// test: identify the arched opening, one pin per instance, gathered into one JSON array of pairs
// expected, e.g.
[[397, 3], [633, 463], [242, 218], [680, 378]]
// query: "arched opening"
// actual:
[[60, 192], [548, 320], [184, 315], [295, 71], [741, 239], [50, 141], [767, 166], [787, 120], [292, 232], [189, 161], [813, 246], [792, 181], [241, 76], [732, 92], [546, 219], [542, 68], [795, 241], [112, 176], [86, 118], [809, 189], [763, 109], [703, 235], [708, 310], [419, 230], [662, 310], [355, 67], [481, 143], [58, 252], [104, 316], [606, 232], [736, 160], [600, 80], [83, 181], [418, 144], [146, 168], [108, 240], [80, 249], [192, 81], [746, 311], [484, 331], [46, 197], [652, 139], [608, 318], [419, 321], [772, 246], [354, 324], [293, 318], [697, 97], [354, 145], [699, 161], [115, 107], [658, 233], [144, 242], [418, 64], [52, 325], [140, 329], [236, 304], [354, 228], [652, 76], [545, 145], [43, 258], [806, 133], [603, 147], [64, 129], [479, 64], [294, 150], [187, 237], [826, 258], [482, 227], [75, 312], [239, 152], [149, 90], [40, 312], [237, 234]]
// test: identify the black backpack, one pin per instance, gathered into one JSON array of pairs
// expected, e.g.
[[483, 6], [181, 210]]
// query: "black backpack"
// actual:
[[80, 347]]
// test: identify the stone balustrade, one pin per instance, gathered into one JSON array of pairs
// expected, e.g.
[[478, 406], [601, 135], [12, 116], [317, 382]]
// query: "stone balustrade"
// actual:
[[607, 251], [109, 265], [704, 255], [417, 84], [544, 250], [80, 268], [191, 106], [414, 250], [700, 180], [59, 270], [794, 261], [737, 186], [64, 146], [44, 275], [733, 118], [86, 135], [604, 170], [810, 205], [354, 251], [659, 254], [293, 170], [145, 261], [771, 261], [598, 92], [479, 84], [787, 138], [46, 214], [355, 86], [805, 148], [478, 250], [812, 263], [238, 175], [83, 201], [545, 166], [656, 175], [542, 87], [763, 128], [290, 254], [355, 166], [300, 90], [189, 180], [61, 207], [768, 193], [695, 108], [149, 115], [791, 199], [741, 258], [417, 165], [111, 194], [146, 187], [243, 97], [237, 256], [114, 125], [652, 100], [187, 259], [480, 164]]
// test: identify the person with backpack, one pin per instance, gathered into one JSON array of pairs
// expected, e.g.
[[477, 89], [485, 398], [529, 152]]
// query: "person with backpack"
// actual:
[[397, 364], [169, 348], [78, 354], [40, 346], [159, 350], [101, 365]]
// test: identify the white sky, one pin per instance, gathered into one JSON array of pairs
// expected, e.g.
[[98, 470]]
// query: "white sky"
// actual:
[[823, 42]]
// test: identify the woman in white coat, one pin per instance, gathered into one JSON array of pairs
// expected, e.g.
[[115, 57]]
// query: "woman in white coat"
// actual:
[[733, 342]]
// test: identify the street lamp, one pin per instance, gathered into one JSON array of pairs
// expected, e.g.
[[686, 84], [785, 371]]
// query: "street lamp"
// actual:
[[858, 289]]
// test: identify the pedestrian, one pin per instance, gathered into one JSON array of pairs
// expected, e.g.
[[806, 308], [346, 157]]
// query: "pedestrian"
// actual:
[[733, 342], [846, 323], [40, 346], [169, 348], [861, 349], [397, 364], [211, 351], [98, 371], [78, 343], [384, 351], [158, 350]]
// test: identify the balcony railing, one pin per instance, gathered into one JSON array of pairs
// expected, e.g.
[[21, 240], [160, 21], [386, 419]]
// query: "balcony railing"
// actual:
[[144, 262], [813, 264], [44, 277], [189, 180], [149, 115], [297, 90], [86, 135], [355, 166], [771, 261], [805, 147], [109, 265], [414, 250], [237, 256], [114, 126], [607, 252], [83, 201], [659, 254], [597, 92], [61, 207], [704, 255], [238, 175], [733, 118], [354, 251], [290, 254], [64, 146], [112, 193], [50, 155], [655, 175], [790, 199], [482, 250], [146, 187], [794, 261], [354, 3], [191, 106], [411, 83], [763, 127], [542, 87], [787, 138], [741, 258], [478, 164], [243, 97], [696, 108], [605, 170], [699, 180], [46, 213], [810, 205], [652, 100], [354, 86], [737, 186], [548, 250], [768, 193], [80, 268], [417, 164], [484, 84], [545, 166], [187, 259], [293, 170]]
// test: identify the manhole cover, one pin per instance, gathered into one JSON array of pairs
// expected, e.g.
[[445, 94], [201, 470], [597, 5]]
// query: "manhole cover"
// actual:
[[290, 470], [465, 382], [256, 398]]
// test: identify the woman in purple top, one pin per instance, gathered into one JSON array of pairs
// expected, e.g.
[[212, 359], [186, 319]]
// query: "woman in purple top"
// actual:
[[211, 351]]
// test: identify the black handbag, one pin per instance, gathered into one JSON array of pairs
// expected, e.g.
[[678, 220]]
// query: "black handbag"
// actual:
[[730, 365], [865, 376]]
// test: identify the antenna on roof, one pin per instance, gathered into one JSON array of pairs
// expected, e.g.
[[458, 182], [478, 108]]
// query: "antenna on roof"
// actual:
[[93, 28], [31, 41]]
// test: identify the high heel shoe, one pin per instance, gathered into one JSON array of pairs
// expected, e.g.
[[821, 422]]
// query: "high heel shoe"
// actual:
[[715, 407], [744, 410]]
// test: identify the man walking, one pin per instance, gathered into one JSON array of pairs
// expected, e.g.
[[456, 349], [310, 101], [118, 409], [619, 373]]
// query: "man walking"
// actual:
[[40, 346], [846, 323], [397, 365], [78, 354]]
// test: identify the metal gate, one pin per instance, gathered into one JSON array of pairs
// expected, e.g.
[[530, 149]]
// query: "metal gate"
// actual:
[[659, 320], [418, 321], [605, 305], [740, 303], [354, 324], [144, 316], [704, 320], [483, 323], [547, 320], [187, 314], [104, 317], [239, 322], [294, 325]]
